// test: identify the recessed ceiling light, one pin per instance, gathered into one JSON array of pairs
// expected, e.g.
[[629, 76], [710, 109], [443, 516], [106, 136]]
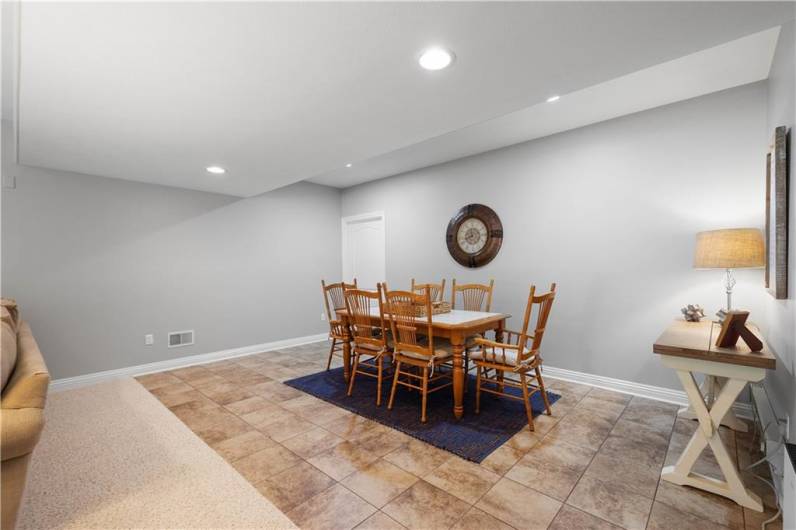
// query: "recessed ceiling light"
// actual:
[[553, 99], [216, 170], [436, 59], [349, 164]]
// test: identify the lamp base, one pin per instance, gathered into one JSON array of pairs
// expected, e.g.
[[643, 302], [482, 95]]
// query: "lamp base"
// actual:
[[729, 283]]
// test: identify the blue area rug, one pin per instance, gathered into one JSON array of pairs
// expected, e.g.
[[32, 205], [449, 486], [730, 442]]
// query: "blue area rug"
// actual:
[[473, 437]]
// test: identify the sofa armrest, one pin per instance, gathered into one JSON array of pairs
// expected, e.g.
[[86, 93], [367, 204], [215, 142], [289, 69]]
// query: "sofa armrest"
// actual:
[[30, 380], [20, 433]]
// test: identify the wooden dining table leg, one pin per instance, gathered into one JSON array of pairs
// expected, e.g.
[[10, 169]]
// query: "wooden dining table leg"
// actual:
[[346, 350], [457, 346], [499, 338], [499, 331]]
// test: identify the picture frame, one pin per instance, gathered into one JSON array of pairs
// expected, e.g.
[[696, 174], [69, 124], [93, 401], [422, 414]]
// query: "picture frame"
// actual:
[[733, 327], [776, 272]]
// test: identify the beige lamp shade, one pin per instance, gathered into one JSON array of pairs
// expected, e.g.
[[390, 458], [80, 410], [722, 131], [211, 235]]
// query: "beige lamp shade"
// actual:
[[733, 248]]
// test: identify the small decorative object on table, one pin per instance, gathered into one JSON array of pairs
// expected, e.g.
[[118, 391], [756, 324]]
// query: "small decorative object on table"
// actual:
[[733, 327], [693, 312], [436, 308]]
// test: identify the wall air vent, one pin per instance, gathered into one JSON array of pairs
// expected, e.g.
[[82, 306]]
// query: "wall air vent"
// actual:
[[180, 338]]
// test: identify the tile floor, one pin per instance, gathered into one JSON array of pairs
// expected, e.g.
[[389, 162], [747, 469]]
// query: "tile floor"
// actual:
[[594, 464]]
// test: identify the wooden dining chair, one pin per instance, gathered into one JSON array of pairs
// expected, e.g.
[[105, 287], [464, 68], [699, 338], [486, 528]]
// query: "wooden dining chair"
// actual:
[[371, 344], [417, 358], [334, 298], [518, 354], [474, 297], [437, 290]]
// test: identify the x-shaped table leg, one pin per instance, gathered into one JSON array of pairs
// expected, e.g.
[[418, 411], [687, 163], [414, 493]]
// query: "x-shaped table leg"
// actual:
[[708, 434], [709, 388]]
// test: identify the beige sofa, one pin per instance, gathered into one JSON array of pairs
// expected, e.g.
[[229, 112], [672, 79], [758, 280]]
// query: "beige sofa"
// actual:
[[25, 382]]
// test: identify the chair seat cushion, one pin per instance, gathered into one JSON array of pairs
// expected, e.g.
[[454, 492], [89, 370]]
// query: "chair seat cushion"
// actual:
[[440, 355], [501, 356], [373, 347], [469, 342]]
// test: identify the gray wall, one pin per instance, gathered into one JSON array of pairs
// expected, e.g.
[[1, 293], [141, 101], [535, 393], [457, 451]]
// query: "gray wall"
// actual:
[[97, 263], [608, 211], [781, 314]]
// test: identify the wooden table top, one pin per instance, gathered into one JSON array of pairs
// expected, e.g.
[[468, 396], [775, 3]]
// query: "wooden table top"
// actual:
[[457, 318], [697, 340]]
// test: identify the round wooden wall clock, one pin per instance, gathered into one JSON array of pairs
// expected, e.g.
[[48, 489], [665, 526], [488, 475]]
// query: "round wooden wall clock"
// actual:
[[474, 235]]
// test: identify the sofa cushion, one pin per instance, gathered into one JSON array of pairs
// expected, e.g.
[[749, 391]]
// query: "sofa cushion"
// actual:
[[10, 305], [21, 429], [15, 473], [30, 379], [8, 346]]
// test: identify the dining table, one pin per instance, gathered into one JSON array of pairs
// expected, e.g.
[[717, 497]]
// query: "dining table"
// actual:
[[455, 326]]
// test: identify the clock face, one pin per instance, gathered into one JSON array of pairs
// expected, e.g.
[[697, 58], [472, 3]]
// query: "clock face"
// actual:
[[474, 235]]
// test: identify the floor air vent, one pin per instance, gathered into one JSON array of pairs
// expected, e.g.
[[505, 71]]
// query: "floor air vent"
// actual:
[[180, 338]]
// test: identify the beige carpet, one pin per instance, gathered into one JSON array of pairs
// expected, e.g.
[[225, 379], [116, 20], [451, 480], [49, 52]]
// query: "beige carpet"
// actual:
[[112, 456]]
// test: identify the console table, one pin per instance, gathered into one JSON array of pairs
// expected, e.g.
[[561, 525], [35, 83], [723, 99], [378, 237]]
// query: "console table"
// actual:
[[689, 348]]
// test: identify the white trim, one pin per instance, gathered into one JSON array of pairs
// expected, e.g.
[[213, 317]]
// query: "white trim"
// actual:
[[360, 218], [657, 393], [617, 385], [181, 362]]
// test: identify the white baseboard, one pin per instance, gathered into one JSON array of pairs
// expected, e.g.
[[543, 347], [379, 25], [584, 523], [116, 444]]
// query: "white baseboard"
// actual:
[[657, 393], [618, 385], [181, 362]]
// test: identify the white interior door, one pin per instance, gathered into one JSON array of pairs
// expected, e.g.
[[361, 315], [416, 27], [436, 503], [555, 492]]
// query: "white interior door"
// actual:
[[364, 249]]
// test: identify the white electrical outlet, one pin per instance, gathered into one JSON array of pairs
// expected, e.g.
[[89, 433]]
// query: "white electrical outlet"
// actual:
[[323, 316], [149, 340]]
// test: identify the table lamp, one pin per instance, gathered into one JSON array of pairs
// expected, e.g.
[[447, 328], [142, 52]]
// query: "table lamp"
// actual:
[[732, 248]]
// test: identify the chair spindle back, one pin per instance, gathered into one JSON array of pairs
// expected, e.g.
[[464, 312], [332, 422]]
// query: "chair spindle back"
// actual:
[[335, 293], [475, 296], [543, 304], [408, 329], [363, 307], [437, 289]]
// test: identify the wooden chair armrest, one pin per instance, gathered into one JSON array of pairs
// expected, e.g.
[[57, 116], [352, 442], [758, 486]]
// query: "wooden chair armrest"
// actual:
[[337, 327], [494, 344], [513, 337]]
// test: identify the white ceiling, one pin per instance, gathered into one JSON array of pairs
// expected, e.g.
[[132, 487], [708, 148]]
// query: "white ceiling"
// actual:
[[282, 92], [736, 63]]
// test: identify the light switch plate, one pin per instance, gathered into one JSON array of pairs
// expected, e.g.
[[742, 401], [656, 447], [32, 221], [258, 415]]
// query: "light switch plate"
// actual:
[[9, 182]]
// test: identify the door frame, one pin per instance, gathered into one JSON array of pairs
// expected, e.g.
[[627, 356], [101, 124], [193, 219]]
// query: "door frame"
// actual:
[[360, 218]]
